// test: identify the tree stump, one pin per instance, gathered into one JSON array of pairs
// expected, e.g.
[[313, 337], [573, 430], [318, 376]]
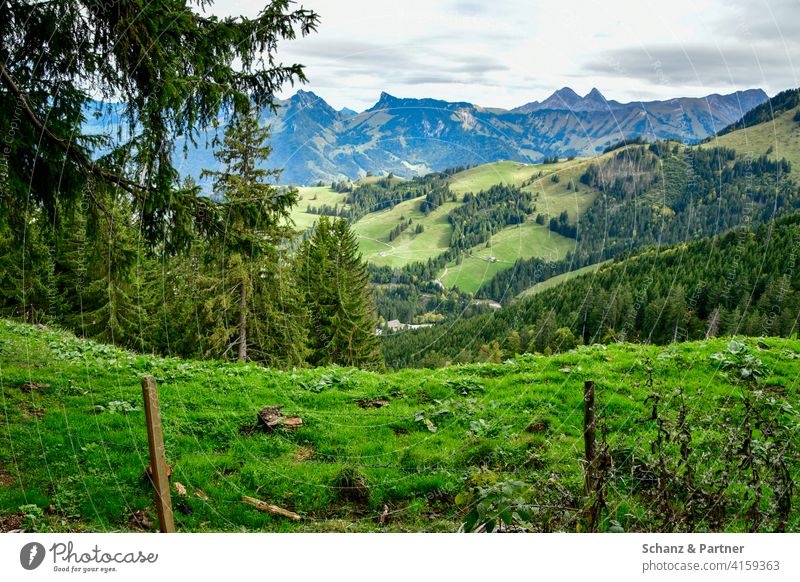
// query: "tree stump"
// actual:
[[270, 418]]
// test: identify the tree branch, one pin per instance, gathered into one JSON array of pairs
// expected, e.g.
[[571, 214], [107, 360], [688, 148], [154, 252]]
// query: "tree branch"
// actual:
[[73, 152]]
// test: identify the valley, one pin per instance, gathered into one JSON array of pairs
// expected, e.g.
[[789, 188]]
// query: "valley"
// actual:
[[630, 196], [382, 267], [584, 211]]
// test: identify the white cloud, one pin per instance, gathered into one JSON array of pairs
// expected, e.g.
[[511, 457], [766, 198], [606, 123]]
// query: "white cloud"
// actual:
[[510, 52]]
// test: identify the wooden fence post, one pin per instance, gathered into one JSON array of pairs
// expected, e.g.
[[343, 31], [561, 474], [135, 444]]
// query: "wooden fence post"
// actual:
[[590, 479], [158, 460], [589, 434]]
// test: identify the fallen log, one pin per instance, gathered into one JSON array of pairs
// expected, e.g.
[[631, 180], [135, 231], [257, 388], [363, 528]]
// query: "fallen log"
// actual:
[[269, 508], [292, 422]]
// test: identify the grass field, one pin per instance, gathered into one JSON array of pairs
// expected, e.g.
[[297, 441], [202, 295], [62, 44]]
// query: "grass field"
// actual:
[[782, 135], [314, 196], [74, 444], [482, 177], [373, 232], [558, 279], [517, 242]]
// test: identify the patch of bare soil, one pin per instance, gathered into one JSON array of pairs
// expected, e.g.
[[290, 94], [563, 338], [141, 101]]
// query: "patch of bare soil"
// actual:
[[6, 478], [141, 520], [10, 522]]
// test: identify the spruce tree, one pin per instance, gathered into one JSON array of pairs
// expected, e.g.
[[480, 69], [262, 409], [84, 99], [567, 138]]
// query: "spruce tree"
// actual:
[[173, 65], [256, 219], [335, 283], [97, 262]]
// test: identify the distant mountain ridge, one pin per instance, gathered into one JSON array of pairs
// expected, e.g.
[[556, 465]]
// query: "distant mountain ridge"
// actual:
[[766, 111], [312, 141], [567, 99], [408, 136]]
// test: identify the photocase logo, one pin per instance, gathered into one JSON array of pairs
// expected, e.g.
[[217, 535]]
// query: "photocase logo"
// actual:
[[31, 555]]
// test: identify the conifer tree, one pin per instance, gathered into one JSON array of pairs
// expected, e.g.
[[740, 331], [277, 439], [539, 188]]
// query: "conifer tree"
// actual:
[[173, 65], [256, 219], [97, 262], [334, 280]]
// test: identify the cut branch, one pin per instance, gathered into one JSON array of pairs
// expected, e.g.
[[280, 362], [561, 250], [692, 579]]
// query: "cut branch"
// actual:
[[269, 508]]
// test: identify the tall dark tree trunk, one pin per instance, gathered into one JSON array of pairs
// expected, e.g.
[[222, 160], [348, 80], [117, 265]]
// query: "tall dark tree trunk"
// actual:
[[243, 322]]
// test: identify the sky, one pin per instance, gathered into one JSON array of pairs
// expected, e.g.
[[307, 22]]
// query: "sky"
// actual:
[[505, 53]]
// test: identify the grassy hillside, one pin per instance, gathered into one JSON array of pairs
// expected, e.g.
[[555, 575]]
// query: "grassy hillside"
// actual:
[[373, 232], [74, 441], [482, 177], [778, 138], [555, 196], [502, 250], [314, 196], [516, 242], [558, 279], [528, 240]]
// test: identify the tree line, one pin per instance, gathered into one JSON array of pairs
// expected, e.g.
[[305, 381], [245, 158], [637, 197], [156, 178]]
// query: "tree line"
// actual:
[[489, 211], [245, 289], [746, 282], [661, 193], [99, 234], [385, 193]]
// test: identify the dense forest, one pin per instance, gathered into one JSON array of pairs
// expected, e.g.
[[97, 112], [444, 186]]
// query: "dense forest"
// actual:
[[661, 193], [99, 234], [745, 282], [241, 290], [385, 193]]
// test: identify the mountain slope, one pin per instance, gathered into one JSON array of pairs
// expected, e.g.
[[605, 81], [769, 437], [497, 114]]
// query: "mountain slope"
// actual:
[[743, 282], [783, 101], [771, 129], [663, 193], [410, 137]]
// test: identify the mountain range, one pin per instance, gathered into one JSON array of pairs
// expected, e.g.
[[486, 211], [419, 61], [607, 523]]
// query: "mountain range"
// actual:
[[313, 141]]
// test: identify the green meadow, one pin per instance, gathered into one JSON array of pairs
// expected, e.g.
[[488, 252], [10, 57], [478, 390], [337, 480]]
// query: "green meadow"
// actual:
[[408, 451], [502, 250], [778, 138], [373, 233]]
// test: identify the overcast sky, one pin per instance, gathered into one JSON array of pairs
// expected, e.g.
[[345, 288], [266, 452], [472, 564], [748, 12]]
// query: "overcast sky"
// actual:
[[505, 53]]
